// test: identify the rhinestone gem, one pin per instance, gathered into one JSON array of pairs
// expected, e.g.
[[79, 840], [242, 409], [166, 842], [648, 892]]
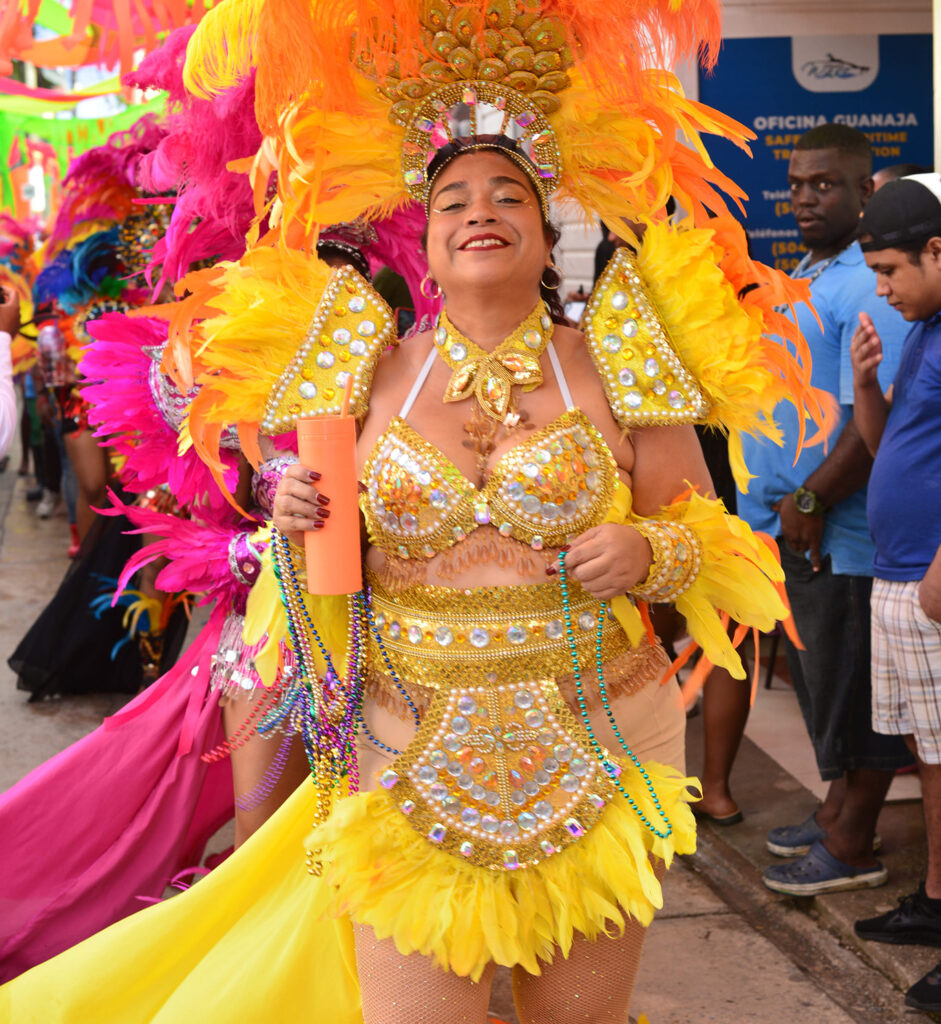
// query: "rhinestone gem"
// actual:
[[455, 768], [530, 469], [612, 343], [530, 787], [651, 367], [564, 752], [478, 637], [366, 329], [509, 829], [634, 398], [342, 336], [555, 629], [388, 778], [482, 514], [395, 630], [492, 799], [438, 758], [452, 805], [586, 621], [542, 777], [467, 848], [550, 764], [532, 339], [575, 827], [308, 389], [534, 718], [489, 823], [408, 522], [470, 816], [595, 801], [542, 809], [518, 797], [415, 634], [543, 457], [437, 498], [357, 304], [343, 378], [516, 635], [659, 388], [547, 848], [675, 399], [568, 782], [458, 351], [578, 766], [438, 791], [452, 743], [505, 529], [441, 335], [630, 328], [325, 360], [523, 699], [515, 490], [464, 781], [536, 543], [460, 725], [627, 377], [527, 820], [549, 510], [444, 636], [477, 792], [437, 832], [358, 348], [510, 860], [531, 505], [407, 806], [619, 300], [427, 774]]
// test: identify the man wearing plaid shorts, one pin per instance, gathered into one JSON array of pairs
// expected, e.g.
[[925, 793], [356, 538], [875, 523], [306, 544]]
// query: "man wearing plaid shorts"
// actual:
[[900, 235]]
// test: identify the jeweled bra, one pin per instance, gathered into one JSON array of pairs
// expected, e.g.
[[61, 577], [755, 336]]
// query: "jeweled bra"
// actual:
[[543, 492]]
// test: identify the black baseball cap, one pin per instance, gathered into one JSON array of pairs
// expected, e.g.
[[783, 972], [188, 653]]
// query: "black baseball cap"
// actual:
[[902, 212]]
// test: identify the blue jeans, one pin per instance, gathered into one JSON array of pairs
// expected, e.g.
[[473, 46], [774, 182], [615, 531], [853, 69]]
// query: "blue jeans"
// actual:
[[832, 676]]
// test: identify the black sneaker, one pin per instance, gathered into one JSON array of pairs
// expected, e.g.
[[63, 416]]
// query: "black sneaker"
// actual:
[[926, 993], [913, 922]]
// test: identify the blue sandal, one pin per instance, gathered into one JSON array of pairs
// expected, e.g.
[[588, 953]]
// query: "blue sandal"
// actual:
[[818, 871]]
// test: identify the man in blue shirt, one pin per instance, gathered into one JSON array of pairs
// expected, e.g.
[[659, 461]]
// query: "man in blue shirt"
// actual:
[[817, 506], [901, 238]]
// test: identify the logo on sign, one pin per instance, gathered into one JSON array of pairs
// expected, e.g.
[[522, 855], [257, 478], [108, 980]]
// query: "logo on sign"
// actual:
[[835, 63], [833, 67]]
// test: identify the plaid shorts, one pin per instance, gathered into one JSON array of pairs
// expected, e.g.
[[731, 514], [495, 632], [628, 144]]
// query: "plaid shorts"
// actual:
[[906, 668]]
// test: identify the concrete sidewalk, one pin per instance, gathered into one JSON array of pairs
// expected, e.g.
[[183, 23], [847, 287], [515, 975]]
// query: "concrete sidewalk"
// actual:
[[724, 950]]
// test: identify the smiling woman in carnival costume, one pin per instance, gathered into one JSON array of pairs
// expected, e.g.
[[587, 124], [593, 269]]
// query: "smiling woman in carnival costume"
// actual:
[[498, 773]]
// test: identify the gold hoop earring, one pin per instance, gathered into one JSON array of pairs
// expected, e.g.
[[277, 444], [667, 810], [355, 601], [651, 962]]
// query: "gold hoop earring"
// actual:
[[429, 280], [555, 275]]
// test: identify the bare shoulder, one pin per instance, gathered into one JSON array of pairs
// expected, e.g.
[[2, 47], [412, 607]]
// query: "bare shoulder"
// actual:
[[401, 364]]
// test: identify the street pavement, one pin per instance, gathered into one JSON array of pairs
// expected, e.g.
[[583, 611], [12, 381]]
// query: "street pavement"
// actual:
[[724, 950]]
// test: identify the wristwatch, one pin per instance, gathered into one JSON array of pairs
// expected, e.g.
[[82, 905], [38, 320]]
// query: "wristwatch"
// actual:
[[806, 501]]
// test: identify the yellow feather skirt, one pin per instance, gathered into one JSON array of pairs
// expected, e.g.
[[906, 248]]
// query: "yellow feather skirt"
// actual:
[[382, 873]]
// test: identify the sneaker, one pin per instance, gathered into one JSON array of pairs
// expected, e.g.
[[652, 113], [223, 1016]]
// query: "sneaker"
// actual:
[[47, 504], [915, 921], [818, 871], [796, 840], [926, 993]]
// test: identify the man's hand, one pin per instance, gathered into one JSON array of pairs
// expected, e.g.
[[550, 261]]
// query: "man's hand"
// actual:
[[929, 590], [801, 532], [9, 311], [866, 353]]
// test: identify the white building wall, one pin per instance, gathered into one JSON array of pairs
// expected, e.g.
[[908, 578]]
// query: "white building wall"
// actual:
[[744, 19]]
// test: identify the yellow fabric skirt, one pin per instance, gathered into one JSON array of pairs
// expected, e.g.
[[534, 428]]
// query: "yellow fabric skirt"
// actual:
[[243, 944]]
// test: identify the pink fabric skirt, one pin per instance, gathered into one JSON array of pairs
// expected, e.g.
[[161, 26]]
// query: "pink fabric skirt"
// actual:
[[114, 817]]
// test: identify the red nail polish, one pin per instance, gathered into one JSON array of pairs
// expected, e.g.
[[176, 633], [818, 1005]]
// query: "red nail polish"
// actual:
[[551, 570], [319, 524], [322, 499], [323, 513], [314, 475]]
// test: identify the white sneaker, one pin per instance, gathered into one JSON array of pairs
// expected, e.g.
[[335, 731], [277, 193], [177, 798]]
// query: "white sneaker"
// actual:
[[48, 503]]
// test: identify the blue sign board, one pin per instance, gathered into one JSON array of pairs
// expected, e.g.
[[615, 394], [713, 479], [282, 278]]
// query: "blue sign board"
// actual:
[[780, 87]]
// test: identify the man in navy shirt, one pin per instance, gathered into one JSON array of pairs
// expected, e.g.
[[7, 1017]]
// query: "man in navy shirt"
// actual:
[[816, 502], [900, 235]]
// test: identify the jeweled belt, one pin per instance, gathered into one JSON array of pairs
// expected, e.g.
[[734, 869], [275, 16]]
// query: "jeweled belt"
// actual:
[[439, 636]]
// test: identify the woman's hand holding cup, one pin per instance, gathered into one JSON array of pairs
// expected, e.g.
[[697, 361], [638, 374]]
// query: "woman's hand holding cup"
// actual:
[[298, 505]]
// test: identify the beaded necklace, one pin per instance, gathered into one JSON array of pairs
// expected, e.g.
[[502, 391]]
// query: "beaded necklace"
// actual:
[[612, 769], [491, 376], [328, 707]]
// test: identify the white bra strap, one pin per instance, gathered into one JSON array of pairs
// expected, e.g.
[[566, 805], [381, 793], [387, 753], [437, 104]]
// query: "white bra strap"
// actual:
[[560, 376], [417, 386]]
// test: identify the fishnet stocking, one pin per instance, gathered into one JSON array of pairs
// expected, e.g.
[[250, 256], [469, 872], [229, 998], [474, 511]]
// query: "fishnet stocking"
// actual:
[[399, 989], [592, 986]]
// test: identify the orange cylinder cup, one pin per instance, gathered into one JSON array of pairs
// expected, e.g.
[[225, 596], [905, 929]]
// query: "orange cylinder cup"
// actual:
[[327, 444]]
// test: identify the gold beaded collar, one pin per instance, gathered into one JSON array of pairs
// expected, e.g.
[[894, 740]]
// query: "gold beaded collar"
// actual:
[[492, 375]]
